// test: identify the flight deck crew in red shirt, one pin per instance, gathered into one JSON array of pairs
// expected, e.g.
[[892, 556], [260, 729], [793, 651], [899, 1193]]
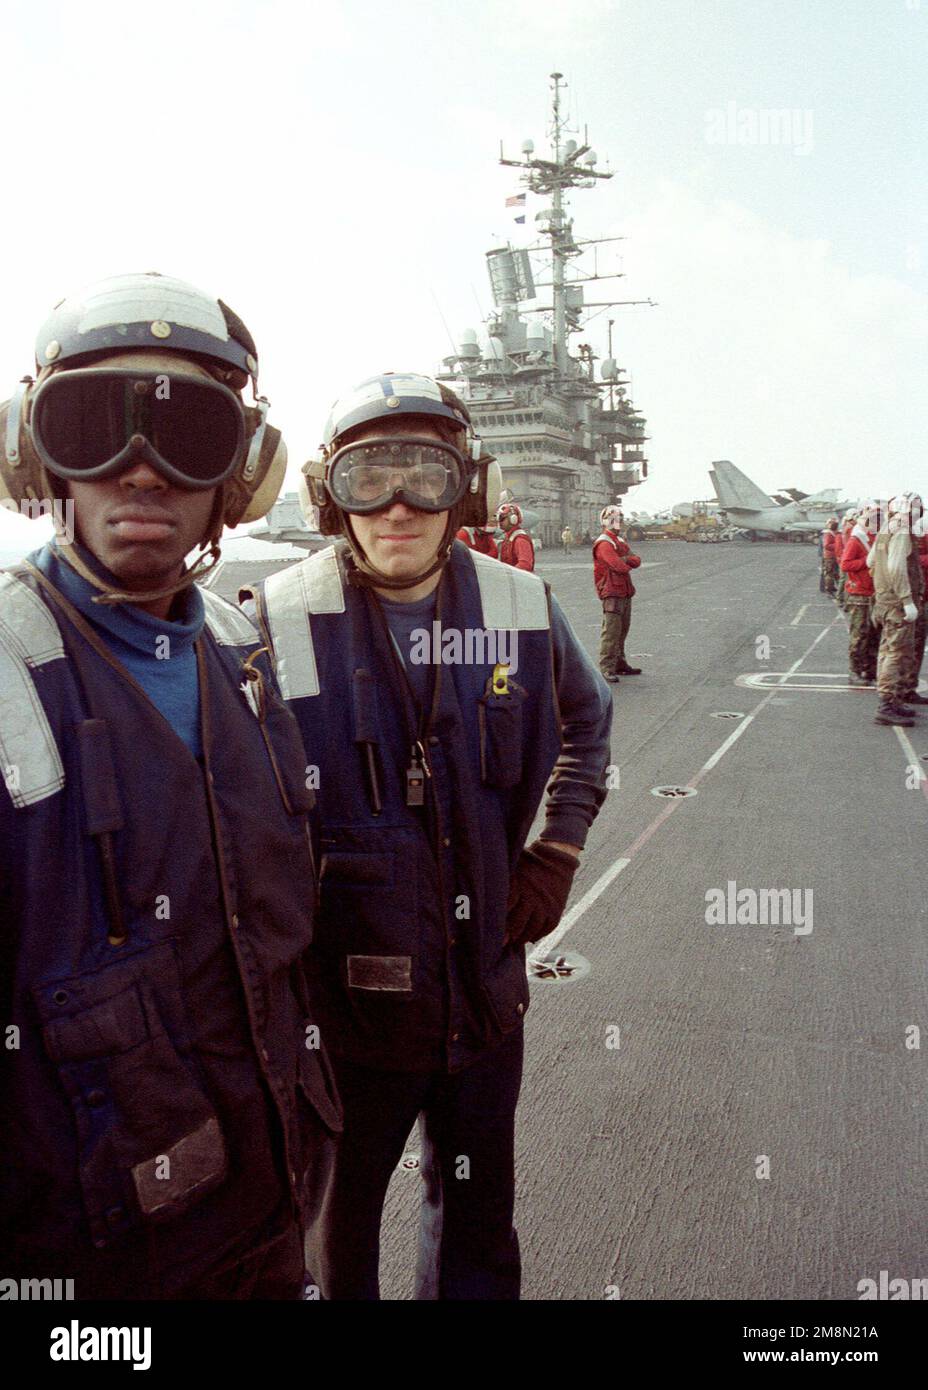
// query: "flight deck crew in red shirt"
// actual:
[[842, 536], [613, 562], [829, 556], [516, 548], [478, 538], [858, 595]]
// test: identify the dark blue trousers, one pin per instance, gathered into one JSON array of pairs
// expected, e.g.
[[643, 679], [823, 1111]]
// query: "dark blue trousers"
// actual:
[[468, 1248]]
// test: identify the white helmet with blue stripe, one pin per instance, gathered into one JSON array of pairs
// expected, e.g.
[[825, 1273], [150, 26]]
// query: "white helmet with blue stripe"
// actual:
[[389, 395], [126, 312]]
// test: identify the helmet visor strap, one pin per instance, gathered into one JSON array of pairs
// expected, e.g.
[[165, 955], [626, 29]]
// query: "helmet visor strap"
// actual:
[[89, 424], [372, 474]]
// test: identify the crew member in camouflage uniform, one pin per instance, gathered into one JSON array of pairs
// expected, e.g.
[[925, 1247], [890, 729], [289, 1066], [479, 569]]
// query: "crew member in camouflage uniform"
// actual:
[[829, 558], [841, 539], [858, 600], [920, 545], [897, 582]]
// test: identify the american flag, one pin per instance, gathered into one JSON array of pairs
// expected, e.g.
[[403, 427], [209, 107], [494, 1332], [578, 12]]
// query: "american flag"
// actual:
[[517, 203]]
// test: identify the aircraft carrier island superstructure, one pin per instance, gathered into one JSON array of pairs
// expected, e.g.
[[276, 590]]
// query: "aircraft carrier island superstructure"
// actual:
[[567, 442]]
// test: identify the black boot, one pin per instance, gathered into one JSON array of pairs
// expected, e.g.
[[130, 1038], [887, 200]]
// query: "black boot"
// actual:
[[912, 697], [610, 677], [892, 714], [625, 670]]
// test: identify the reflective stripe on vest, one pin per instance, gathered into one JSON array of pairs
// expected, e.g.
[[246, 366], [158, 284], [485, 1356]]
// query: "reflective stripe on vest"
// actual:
[[510, 598], [30, 763], [312, 586], [228, 624]]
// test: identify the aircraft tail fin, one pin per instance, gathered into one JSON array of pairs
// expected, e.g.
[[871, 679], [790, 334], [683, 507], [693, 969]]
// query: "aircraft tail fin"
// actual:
[[735, 489]]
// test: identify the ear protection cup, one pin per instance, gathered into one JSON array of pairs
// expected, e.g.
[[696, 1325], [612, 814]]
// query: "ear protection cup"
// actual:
[[13, 478], [268, 482], [481, 499], [308, 509], [319, 511], [22, 476], [494, 488], [252, 491]]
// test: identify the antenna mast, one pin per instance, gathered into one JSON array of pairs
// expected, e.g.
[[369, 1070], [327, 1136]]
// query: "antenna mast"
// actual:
[[546, 176], [569, 438], [557, 248]]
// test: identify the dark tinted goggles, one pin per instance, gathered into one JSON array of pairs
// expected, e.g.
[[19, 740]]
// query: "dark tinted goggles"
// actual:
[[372, 474], [88, 424]]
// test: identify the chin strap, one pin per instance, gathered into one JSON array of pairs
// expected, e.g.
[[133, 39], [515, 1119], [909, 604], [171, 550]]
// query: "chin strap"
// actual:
[[367, 575], [108, 596]]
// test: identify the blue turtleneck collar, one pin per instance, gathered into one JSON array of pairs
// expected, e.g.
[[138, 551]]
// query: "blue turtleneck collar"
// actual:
[[157, 652]]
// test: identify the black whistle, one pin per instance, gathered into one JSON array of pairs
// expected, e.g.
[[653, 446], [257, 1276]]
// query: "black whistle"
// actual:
[[415, 785]]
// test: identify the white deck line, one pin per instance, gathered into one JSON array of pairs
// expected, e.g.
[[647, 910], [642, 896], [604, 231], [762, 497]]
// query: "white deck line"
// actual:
[[547, 943]]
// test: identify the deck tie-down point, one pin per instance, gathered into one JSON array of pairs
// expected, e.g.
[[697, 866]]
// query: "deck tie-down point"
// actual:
[[556, 968]]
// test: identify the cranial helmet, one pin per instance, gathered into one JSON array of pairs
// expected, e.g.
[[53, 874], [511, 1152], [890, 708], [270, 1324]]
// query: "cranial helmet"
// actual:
[[137, 331], [906, 503], [472, 478], [871, 514], [509, 516], [611, 518], [392, 395]]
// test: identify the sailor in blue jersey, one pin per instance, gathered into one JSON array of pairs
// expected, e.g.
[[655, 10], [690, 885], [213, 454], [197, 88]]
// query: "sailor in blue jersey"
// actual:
[[165, 1096], [433, 753]]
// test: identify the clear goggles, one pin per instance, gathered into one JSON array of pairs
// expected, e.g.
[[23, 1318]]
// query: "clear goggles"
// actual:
[[375, 473], [89, 424]]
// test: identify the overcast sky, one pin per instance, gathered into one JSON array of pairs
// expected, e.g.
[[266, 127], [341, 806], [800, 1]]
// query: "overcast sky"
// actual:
[[331, 172]]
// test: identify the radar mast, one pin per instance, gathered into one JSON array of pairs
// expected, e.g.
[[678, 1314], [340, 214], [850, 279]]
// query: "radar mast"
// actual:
[[567, 443]]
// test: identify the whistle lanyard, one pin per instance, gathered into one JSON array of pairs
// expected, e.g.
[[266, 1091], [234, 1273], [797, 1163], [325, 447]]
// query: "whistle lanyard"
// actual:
[[419, 719]]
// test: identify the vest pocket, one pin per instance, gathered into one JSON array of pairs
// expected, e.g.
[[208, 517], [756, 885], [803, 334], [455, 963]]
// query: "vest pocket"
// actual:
[[149, 1145], [369, 918], [499, 719]]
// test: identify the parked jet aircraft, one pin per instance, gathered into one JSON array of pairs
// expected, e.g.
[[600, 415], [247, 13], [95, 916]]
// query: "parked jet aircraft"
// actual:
[[749, 507], [828, 497]]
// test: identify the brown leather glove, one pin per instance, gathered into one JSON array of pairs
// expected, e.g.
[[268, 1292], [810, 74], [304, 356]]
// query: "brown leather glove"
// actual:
[[538, 892]]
